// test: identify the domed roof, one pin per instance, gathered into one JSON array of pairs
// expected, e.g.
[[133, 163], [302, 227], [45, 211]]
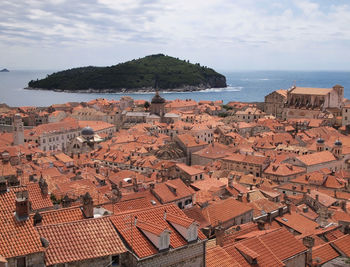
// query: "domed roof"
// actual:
[[338, 143], [157, 99], [87, 131], [320, 141]]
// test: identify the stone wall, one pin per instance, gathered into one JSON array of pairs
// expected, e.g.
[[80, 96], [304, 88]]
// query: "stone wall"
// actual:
[[192, 255]]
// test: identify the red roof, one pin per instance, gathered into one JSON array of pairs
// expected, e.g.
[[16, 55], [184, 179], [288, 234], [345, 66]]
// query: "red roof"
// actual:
[[134, 237], [82, 240], [16, 238]]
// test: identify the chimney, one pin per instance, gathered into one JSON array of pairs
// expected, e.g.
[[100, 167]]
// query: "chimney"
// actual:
[[250, 187], [151, 186], [288, 203], [219, 234], [309, 242], [230, 182], [269, 217], [280, 211], [240, 197], [66, 201], [317, 197], [261, 225], [22, 206], [37, 218], [165, 214], [3, 185], [343, 205], [248, 197], [88, 207], [335, 193], [43, 186], [302, 187], [308, 190]]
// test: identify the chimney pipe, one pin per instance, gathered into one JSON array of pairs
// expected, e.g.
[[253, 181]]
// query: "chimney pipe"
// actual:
[[37, 218], [3, 185]]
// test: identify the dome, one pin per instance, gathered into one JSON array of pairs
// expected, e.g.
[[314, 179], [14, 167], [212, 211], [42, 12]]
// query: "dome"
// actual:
[[87, 131], [320, 141], [338, 143], [157, 99]]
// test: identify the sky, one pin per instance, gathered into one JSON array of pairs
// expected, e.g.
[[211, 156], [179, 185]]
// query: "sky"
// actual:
[[227, 35]]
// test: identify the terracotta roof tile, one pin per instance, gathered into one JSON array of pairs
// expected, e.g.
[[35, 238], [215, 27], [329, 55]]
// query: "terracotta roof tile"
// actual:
[[17, 238], [217, 256], [135, 239], [342, 244], [37, 199], [324, 253], [82, 240]]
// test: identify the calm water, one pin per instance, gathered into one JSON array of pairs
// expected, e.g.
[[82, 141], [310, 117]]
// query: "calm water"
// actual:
[[243, 86]]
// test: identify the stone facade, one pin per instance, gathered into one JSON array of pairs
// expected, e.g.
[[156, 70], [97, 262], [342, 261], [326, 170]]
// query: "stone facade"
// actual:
[[192, 255], [274, 103], [31, 260]]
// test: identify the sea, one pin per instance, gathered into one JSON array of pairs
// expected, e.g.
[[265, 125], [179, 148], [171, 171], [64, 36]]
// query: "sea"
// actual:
[[246, 86]]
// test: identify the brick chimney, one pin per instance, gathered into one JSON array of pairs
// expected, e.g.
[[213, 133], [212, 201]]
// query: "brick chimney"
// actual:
[[22, 206], [88, 207], [309, 242]]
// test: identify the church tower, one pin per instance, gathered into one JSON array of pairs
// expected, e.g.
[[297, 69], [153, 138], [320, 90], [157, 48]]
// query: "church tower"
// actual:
[[18, 132], [158, 102]]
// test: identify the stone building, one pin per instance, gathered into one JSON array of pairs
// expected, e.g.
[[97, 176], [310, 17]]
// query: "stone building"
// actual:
[[313, 103], [274, 103]]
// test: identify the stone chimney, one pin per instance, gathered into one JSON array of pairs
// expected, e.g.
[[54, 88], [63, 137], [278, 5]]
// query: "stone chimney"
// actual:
[[309, 242], [88, 207], [22, 206], [343, 205], [66, 201], [43, 186], [37, 218], [288, 203], [3, 185], [219, 234], [261, 225], [230, 182]]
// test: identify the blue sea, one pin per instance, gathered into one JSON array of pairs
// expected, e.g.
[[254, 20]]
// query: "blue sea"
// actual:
[[245, 86]]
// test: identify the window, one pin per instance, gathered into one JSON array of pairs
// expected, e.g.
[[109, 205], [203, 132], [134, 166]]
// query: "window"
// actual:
[[21, 262], [115, 260]]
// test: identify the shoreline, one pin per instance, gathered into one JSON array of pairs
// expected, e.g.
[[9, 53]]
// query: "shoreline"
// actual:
[[128, 91]]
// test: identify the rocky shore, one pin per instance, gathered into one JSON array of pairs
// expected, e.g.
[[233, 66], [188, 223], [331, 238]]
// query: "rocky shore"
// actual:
[[130, 90]]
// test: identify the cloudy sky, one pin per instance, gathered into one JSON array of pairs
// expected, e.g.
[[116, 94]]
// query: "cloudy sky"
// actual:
[[223, 34]]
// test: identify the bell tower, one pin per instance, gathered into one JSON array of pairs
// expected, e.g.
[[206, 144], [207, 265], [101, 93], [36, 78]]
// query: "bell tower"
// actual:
[[18, 132]]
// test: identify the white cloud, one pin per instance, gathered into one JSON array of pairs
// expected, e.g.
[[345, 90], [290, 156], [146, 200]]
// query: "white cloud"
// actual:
[[196, 29]]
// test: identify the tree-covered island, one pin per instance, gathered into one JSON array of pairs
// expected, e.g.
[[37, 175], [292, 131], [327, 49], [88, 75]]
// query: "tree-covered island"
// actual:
[[136, 75]]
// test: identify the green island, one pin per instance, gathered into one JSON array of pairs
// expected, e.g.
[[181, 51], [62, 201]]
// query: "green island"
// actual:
[[165, 72]]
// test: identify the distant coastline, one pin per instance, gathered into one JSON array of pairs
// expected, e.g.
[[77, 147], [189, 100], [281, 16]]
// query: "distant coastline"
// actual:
[[4, 70]]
